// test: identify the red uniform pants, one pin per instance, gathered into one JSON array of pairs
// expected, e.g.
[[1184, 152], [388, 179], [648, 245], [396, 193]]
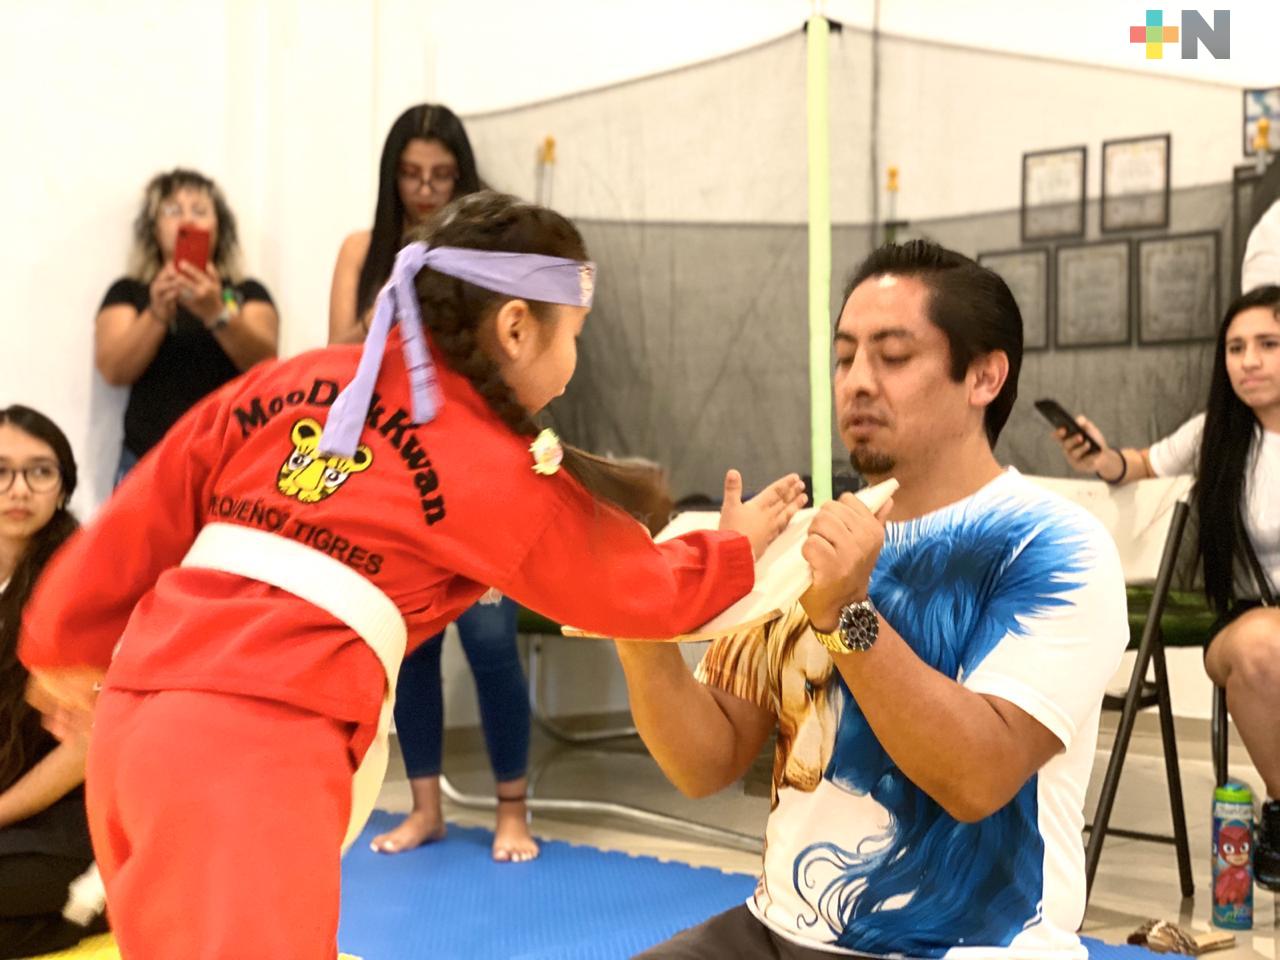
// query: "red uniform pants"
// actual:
[[217, 821]]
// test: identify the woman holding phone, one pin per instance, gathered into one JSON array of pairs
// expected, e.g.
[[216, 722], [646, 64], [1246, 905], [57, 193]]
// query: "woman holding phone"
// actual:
[[183, 320], [1233, 448]]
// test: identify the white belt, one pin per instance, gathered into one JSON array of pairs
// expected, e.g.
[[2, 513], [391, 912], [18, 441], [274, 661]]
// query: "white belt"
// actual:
[[338, 590]]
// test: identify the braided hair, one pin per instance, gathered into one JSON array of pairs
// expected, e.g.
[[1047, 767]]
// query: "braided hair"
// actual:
[[455, 312]]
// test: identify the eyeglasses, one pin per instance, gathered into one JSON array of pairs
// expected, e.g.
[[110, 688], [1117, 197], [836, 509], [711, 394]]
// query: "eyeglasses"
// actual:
[[40, 478], [441, 179], [174, 210]]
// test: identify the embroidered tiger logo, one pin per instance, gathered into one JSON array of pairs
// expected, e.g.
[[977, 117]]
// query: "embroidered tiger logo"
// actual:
[[310, 478]]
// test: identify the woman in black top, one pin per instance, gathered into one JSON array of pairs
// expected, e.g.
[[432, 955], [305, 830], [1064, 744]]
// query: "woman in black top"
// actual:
[[44, 836], [174, 332]]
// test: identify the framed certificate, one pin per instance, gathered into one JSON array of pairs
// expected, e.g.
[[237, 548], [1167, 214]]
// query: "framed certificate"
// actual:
[[1093, 299], [1244, 180], [1135, 183], [1027, 274], [1178, 279], [1053, 194], [1259, 104]]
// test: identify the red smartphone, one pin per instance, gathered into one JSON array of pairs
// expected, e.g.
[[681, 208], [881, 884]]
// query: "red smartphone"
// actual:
[[192, 247]]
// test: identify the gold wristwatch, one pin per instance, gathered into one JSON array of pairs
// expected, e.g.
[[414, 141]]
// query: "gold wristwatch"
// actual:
[[856, 630]]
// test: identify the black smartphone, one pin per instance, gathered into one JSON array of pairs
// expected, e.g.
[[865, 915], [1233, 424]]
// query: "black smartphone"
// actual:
[[1057, 415]]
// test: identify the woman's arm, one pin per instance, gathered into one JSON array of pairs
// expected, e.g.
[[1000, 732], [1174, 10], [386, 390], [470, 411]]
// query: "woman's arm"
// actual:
[[1112, 464], [126, 338], [251, 335], [344, 325], [60, 772], [125, 342]]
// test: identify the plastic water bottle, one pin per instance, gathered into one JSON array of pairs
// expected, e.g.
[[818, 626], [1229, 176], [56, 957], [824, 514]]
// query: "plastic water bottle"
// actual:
[[1233, 856]]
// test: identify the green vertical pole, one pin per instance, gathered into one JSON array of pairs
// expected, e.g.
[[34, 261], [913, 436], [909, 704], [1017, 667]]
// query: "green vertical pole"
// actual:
[[819, 260]]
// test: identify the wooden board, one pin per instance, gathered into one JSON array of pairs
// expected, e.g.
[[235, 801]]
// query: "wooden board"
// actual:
[[782, 573]]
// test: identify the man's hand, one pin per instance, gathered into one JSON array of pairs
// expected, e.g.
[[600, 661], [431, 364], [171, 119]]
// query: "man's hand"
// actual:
[[842, 549], [762, 518], [66, 698]]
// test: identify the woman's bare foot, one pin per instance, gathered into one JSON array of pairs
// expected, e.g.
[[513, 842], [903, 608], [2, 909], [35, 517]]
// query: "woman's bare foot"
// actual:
[[425, 824], [414, 830], [512, 841]]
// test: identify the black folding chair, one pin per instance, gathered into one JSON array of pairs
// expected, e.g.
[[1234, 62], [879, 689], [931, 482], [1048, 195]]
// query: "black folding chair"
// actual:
[[1147, 520]]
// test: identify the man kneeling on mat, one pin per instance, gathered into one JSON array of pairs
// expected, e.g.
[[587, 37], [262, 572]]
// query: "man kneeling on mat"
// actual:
[[936, 692]]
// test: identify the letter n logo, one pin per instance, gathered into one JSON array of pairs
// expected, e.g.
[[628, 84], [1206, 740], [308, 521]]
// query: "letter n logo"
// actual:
[[1216, 40]]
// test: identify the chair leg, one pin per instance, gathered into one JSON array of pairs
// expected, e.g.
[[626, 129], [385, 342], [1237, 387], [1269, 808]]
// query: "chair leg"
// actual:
[[1220, 735], [1129, 712], [1172, 771], [1111, 782]]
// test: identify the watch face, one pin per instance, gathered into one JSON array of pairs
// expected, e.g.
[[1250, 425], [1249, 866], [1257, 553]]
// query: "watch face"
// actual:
[[859, 626]]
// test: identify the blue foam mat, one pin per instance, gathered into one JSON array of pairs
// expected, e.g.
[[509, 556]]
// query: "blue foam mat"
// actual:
[[450, 900], [1110, 951]]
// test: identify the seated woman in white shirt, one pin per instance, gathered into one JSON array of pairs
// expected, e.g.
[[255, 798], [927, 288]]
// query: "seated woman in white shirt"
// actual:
[[1233, 448]]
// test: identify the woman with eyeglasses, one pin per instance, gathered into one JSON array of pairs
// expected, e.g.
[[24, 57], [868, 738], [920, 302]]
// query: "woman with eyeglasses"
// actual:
[[172, 329], [44, 835], [426, 163]]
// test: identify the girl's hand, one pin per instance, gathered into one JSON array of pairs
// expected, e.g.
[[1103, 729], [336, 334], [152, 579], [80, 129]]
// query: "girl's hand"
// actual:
[[766, 514]]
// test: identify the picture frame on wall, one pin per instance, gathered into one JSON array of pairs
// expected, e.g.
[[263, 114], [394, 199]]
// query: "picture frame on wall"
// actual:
[[1178, 282], [1135, 183], [1244, 180], [1260, 103], [1026, 271], [1093, 302], [1053, 199]]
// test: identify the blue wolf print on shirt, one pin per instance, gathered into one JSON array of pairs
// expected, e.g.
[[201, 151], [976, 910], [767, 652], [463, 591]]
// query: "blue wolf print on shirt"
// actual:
[[953, 585]]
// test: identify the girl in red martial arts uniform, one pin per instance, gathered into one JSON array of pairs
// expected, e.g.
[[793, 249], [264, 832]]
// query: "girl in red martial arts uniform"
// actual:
[[249, 589]]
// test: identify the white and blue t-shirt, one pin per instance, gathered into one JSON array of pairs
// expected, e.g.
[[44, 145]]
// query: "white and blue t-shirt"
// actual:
[[1015, 593]]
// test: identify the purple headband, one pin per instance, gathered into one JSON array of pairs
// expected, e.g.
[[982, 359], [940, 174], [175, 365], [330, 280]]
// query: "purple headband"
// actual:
[[530, 276]]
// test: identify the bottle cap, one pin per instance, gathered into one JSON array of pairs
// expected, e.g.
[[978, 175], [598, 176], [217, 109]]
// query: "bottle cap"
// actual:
[[1233, 791]]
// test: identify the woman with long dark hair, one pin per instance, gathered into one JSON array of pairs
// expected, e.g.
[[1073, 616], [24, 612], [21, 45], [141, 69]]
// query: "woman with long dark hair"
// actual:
[[1234, 450], [426, 163], [44, 836]]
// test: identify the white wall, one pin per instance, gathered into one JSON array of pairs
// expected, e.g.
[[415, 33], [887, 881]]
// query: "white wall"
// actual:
[[556, 47], [280, 103], [285, 102]]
